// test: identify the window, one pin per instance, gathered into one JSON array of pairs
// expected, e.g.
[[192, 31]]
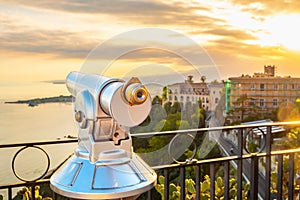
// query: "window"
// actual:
[[275, 103], [285, 86], [262, 87], [170, 98], [207, 100], [181, 98], [216, 100], [293, 86], [252, 87], [176, 99], [276, 86], [187, 98], [252, 102], [193, 99], [262, 103]]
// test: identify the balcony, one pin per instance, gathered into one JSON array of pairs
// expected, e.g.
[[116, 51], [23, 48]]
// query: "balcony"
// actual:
[[263, 172]]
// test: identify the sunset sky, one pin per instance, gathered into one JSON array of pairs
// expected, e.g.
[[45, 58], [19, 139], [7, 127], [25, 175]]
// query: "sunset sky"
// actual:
[[43, 40]]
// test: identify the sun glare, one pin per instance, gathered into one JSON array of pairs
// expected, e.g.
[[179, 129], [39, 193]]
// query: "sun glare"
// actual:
[[282, 30]]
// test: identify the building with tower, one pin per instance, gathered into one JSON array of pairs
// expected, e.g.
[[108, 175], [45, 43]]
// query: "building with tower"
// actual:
[[263, 91]]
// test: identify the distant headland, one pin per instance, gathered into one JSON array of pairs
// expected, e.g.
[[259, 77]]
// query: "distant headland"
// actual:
[[37, 101]]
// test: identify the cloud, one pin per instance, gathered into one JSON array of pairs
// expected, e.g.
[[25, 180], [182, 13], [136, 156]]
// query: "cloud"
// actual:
[[143, 12], [20, 38], [239, 48], [26, 37], [116, 7], [226, 32], [268, 7]]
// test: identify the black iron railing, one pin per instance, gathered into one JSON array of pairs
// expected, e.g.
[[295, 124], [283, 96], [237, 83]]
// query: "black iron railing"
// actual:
[[42, 179], [250, 166]]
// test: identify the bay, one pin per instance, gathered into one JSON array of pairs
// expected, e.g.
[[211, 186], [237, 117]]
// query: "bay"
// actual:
[[20, 123]]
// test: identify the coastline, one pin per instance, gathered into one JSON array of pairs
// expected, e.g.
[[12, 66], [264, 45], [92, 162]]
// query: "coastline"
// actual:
[[37, 101]]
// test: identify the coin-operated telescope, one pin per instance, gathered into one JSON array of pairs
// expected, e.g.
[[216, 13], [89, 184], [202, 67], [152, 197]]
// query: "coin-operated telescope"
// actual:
[[104, 165]]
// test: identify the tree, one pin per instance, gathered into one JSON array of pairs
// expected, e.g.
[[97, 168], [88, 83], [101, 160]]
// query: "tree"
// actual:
[[176, 107], [167, 118], [203, 79], [167, 107], [156, 100], [243, 106]]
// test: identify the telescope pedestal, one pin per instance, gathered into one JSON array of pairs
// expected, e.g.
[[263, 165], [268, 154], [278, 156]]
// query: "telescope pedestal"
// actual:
[[119, 177]]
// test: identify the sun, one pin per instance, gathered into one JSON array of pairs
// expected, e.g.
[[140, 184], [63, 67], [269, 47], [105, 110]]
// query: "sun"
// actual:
[[282, 30]]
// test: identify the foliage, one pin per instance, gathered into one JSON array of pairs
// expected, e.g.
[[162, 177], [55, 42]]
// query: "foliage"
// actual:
[[177, 116], [288, 111], [42, 192], [167, 117], [243, 106], [252, 147], [246, 108], [25, 194], [190, 191], [290, 141]]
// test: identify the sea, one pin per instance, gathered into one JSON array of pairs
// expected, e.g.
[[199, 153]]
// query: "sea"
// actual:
[[20, 123]]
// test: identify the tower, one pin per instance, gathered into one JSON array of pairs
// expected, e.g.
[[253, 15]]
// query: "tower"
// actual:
[[269, 70]]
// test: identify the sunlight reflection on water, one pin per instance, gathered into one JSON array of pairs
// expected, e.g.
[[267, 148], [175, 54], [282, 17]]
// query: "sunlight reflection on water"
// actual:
[[20, 123]]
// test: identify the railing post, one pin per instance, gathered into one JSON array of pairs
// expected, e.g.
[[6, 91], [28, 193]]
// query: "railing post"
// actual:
[[198, 177], [166, 183], [279, 177], [291, 176], [10, 193], [150, 194], [182, 183], [33, 192], [212, 181], [254, 178], [226, 180], [240, 165], [268, 162], [54, 195]]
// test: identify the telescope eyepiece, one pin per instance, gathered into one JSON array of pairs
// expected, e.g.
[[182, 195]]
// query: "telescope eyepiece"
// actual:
[[139, 94], [136, 94]]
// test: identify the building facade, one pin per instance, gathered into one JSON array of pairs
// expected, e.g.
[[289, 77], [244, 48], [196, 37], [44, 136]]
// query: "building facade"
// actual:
[[208, 93], [265, 91]]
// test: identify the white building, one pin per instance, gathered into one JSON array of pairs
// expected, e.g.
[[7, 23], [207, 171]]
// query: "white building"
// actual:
[[190, 91]]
